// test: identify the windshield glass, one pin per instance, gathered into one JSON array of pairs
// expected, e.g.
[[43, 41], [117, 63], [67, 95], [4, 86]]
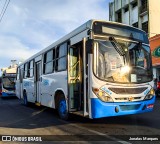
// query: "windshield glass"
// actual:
[[110, 65], [140, 61], [8, 83]]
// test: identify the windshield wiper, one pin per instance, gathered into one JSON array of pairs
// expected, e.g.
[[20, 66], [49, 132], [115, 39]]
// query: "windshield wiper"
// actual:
[[117, 46]]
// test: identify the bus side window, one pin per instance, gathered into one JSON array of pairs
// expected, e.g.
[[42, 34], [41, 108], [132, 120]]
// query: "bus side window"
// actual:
[[61, 57], [30, 69], [25, 74], [48, 62]]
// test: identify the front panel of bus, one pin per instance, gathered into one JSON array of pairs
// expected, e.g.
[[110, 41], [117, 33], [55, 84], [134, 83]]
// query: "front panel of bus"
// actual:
[[8, 85], [121, 71]]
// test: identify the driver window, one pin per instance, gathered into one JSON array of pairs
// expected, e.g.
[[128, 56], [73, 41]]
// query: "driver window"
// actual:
[[101, 65]]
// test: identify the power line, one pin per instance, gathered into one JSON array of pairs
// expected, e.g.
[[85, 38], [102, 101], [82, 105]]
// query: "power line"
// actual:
[[4, 9]]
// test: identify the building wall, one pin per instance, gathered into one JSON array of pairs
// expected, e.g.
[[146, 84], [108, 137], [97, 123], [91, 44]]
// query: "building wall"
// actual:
[[151, 15], [136, 14], [125, 18], [117, 4], [154, 44], [154, 17], [133, 15]]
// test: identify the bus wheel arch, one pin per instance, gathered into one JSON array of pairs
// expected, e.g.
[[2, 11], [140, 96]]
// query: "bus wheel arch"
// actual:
[[61, 105]]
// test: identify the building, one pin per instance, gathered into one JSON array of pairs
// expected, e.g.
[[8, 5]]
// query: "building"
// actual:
[[155, 49], [143, 14]]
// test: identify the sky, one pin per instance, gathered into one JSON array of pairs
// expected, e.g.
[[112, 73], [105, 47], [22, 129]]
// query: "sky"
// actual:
[[29, 26]]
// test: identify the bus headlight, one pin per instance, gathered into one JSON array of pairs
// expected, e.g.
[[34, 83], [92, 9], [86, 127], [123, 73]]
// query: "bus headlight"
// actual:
[[4, 90], [103, 96], [150, 94]]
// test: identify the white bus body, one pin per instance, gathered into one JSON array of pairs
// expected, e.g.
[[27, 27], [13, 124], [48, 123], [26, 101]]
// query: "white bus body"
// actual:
[[71, 75]]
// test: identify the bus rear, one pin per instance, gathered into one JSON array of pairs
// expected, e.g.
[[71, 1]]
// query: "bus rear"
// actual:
[[120, 71]]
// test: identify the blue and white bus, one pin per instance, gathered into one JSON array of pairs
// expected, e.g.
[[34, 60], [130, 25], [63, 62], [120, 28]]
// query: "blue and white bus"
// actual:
[[100, 69]]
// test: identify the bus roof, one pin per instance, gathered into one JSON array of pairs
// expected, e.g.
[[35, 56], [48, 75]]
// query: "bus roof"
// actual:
[[9, 70], [87, 25]]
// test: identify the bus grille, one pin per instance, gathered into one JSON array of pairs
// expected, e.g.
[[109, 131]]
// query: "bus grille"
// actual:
[[129, 107], [126, 98], [128, 90]]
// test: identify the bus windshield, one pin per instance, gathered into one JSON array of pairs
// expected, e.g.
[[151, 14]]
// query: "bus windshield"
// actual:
[[8, 83], [134, 66]]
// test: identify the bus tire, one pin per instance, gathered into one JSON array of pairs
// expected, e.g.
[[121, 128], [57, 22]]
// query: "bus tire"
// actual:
[[25, 101], [62, 108]]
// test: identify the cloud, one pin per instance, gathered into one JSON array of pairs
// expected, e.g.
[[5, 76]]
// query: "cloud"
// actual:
[[29, 26], [14, 50]]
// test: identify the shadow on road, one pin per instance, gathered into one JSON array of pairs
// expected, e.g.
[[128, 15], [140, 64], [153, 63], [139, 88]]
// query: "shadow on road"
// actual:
[[15, 115], [151, 119]]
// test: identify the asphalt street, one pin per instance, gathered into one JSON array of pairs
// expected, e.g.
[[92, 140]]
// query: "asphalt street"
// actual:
[[17, 119]]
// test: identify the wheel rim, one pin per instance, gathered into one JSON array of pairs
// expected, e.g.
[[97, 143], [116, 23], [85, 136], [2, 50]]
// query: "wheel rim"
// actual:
[[62, 108]]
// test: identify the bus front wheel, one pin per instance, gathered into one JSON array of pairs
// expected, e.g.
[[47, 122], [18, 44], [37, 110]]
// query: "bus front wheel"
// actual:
[[62, 109]]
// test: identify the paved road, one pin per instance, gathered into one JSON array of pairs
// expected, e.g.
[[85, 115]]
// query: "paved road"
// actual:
[[16, 119]]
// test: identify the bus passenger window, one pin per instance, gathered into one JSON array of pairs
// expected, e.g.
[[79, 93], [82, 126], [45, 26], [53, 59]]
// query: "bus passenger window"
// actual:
[[61, 57], [30, 69], [25, 70], [48, 62]]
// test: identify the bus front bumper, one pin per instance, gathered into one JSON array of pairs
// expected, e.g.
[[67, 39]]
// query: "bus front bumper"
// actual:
[[101, 109], [6, 94]]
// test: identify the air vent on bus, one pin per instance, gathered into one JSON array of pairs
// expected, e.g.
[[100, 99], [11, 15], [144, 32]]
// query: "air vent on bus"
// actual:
[[130, 107], [127, 90], [126, 98]]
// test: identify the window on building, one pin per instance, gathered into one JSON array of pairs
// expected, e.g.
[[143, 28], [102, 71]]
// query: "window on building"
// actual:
[[25, 70], [119, 16], [61, 57], [30, 68], [135, 24], [134, 4], [126, 9], [49, 61], [143, 6], [145, 26]]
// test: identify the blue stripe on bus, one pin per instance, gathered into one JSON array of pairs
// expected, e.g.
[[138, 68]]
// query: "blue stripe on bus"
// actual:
[[4, 94], [103, 109]]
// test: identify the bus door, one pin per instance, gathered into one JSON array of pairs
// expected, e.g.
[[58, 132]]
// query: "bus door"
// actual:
[[74, 78], [38, 81], [78, 79], [18, 84], [21, 82]]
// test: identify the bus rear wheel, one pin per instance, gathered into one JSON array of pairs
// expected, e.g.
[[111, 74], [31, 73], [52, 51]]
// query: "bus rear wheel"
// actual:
[[62, 108]]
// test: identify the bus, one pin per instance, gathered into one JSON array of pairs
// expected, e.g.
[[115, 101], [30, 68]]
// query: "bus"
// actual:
[[8, 82], [0, 86], [100, 69]]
